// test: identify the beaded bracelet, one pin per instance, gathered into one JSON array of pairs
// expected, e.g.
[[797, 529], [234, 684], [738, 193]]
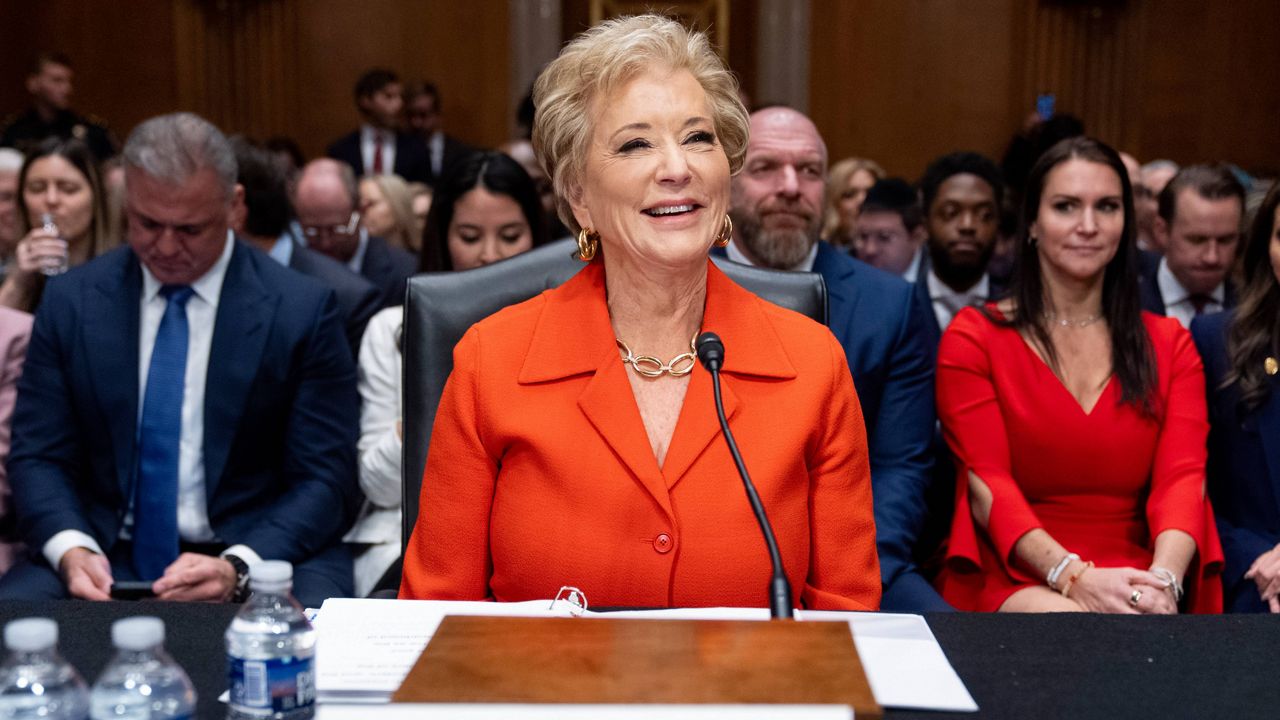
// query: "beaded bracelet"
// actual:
[[1066, 588], [1052, 577]]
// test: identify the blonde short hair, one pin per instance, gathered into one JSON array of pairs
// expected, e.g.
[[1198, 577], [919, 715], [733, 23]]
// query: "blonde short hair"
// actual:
[[408, 230], [600, 60], [837, 179]]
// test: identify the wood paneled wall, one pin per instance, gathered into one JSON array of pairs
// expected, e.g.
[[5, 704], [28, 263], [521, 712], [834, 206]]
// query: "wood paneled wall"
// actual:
[[900, 81]]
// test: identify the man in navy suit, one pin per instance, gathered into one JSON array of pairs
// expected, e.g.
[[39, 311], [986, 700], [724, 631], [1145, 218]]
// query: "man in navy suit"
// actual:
[[378, 147], [777, 214], [188, 406], [325, 200], [1198, 225]]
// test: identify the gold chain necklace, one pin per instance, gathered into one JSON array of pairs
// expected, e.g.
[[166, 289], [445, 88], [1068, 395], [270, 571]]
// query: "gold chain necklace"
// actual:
[[651, 367], [1065, 322]]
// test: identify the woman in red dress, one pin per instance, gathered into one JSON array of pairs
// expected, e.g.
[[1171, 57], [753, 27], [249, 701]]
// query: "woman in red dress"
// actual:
[[1078, 422]]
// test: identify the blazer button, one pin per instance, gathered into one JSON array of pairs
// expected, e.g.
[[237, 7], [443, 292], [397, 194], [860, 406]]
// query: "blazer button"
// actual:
[[662, 543]]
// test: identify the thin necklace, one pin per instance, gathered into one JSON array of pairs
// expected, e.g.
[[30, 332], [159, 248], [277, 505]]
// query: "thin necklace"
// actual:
[[1066, 322], [651, 367]]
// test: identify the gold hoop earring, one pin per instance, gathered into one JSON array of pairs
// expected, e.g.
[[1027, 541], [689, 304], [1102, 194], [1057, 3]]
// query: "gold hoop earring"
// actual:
[[726, 232], [588, 244]]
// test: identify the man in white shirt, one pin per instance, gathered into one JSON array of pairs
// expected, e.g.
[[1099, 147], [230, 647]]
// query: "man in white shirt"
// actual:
[[961, 195], [1199, 228], [890, 232], [378, 147], [189, 405]]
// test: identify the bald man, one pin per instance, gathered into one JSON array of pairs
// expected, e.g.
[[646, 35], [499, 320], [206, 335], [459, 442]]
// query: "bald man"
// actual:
[[325, 201], [776, 206]]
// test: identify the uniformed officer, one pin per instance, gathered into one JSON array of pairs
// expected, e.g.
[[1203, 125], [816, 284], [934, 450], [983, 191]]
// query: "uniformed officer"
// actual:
[[50, 114]]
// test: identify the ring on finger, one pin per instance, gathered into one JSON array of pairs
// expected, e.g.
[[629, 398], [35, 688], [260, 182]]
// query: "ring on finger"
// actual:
[[1135, 597]]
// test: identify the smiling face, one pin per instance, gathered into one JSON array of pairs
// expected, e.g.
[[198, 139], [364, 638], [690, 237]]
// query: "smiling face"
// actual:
[[1079, 224], [486, 227], [777, 200], [656, 180]]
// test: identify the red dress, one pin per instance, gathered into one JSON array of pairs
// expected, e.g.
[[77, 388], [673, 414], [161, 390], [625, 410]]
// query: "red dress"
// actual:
[[1103, 484]]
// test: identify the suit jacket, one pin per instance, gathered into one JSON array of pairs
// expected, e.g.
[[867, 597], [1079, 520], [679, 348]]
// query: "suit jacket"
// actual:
[[1149, 286], [882, 328], [280, 414], [358, 299], [933, 331], [454, 151], [1243, 467], [389, 269], [411, 156], [540, 472], [15, 332]]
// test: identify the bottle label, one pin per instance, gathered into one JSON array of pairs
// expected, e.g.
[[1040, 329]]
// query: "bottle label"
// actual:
[[266, 687]]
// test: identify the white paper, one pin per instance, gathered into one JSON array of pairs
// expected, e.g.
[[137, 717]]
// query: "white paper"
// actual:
[[405, 711], [366, 647]]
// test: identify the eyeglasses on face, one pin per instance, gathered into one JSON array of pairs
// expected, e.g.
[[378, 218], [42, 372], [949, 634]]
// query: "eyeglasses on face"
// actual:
[[313, 232]]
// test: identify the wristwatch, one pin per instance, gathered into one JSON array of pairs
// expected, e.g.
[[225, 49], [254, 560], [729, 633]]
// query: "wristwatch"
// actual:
[[241, 592]]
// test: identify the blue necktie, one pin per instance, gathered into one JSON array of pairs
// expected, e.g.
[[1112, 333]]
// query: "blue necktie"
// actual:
[[155, 503]]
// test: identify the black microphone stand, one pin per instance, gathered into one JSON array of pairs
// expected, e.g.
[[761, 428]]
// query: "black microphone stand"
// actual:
[[711, 354]]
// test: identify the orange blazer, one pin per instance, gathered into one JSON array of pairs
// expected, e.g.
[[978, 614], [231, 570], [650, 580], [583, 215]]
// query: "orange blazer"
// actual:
[[540, 473]]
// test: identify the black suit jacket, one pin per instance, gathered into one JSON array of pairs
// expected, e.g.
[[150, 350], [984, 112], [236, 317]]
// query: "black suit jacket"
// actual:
[[411, 156], [389, 269], [454, 151], [358, 299], [281, 410]]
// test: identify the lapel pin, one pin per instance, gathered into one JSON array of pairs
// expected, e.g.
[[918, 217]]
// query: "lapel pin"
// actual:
[[1271, 366]]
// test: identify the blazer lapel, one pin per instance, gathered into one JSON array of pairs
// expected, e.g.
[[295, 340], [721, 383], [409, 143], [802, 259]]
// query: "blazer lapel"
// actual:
[[245, 309], [842, 295], [1269, 432], [752, 350], [574, 337], [111, 322]]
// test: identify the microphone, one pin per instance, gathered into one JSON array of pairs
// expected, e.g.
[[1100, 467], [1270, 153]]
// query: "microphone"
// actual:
[[710, 351]]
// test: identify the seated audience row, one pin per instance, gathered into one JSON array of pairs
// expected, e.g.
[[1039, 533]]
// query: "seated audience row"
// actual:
[[189, 403]]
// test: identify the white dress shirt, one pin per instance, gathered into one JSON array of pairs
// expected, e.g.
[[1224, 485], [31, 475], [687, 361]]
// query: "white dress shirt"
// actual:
[[805, 265], [913, 270], [435, 147], [377, 527], [369, 135], [947, 302], [1177, 301], [202, 310]]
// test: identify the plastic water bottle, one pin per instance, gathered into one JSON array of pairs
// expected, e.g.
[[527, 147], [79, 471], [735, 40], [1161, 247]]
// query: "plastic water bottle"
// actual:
[[35, 682], [142, 682], [271, 650]]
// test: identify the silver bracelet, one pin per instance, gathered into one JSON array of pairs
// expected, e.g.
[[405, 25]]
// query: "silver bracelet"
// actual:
[[1170, 581], [1056, 572]]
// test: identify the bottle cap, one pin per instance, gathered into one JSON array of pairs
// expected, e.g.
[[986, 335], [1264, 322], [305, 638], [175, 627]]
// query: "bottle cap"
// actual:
[[270, 572], [31, 634], [137, 633]]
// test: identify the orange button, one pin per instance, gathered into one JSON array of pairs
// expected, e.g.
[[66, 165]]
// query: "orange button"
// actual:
[[662, 543]]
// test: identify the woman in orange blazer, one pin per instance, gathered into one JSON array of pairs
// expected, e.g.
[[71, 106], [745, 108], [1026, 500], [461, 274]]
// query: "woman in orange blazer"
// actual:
[[554, 462]]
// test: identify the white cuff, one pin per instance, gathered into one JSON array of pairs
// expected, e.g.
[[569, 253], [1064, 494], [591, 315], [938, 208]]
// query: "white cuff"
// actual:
[[244, 552], [62, 542]]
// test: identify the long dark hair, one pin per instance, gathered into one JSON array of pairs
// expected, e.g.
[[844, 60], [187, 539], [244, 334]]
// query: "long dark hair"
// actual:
[[1254, 334], [498, 174], [1132, 360], [77, 153]]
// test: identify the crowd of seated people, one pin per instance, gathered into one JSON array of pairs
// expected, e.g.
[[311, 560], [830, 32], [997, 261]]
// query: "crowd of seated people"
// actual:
[[1051, 386]]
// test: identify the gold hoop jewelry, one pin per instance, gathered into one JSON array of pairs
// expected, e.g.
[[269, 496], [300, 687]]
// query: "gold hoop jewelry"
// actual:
[[588, 244], [651, 367], [726, 232], [1270, 366]]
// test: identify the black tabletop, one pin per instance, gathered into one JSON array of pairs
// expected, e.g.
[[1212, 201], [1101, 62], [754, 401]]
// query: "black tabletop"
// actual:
[[1016, 666]]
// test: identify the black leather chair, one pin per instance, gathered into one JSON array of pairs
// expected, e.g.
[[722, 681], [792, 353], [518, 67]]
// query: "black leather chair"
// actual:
[[441, 307]]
